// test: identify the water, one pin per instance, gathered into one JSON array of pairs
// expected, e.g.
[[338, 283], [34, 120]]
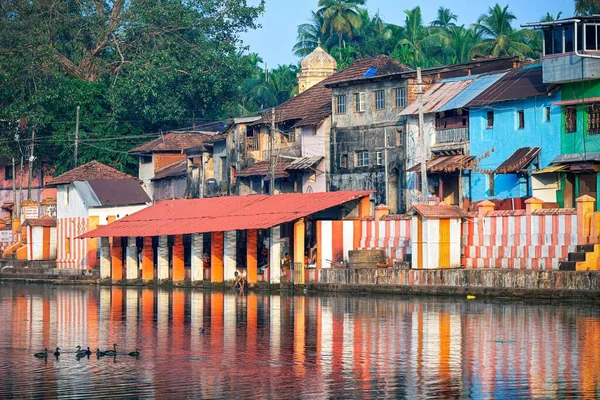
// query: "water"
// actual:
[[262, 346]]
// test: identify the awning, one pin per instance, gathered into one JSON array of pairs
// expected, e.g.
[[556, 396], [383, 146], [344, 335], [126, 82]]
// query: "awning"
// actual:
[[576, 157], [446, 164], [304, 163], [578, 101], [223, 214], [519, 161], [552, 169]]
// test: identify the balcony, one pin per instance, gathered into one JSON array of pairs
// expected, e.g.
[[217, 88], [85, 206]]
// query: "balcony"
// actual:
[[454, 135], [252, 143]]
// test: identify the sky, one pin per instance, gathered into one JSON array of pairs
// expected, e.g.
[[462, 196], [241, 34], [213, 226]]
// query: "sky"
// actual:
[[274, 41]]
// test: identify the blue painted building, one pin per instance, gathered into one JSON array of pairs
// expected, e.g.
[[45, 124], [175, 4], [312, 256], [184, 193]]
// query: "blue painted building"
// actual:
[[514, 135]]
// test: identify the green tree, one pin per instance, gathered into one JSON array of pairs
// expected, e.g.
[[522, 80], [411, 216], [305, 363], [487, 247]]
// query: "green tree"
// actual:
[[423, 44], [340, 17], [445, 18], [275, 87], [310, 34], [499, 38], [458, 44], [134, 67], [587, 7]]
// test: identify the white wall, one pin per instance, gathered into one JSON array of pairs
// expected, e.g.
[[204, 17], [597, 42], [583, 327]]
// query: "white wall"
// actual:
[[317, 145], [146, 172], [104, 212], [544, 187], [75, 206]]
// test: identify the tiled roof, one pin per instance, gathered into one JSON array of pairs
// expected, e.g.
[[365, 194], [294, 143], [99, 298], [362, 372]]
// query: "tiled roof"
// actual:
[[439, 211], [89, 171], [176, 142], [120, 192], [261, 168], [314, 105], [446, 164], [43, 222], [175, 170], [519, 160], [517, 84], [379, 66]]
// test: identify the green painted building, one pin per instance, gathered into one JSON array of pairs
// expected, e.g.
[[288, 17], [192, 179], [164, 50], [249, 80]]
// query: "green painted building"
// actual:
[[571, 61]]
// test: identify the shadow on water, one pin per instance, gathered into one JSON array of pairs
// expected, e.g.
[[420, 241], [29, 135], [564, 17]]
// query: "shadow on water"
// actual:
[[212, 344]]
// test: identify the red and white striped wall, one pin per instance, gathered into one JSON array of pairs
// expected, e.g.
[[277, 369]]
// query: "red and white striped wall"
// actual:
[[76, 256], [335, 239], [517, 240], [393, 236]]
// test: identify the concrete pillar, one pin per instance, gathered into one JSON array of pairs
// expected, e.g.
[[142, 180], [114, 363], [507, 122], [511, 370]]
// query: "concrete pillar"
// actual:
[[299, 238], [148, 259], [132, 259], [197, 257], [533, 204], [485, 207], [585, 209], [92, 244], [104, 258], [252, 256], [117, 260], [216, 254], [381, 211], [364, 207], [163, 258], [178, 260], [275, 255], [229, 260]]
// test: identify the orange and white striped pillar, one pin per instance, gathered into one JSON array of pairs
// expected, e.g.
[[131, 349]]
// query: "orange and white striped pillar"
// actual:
[[178, 262], [117, 259], [229, 259], [197, 260], [216, 264], [299, 248], [147, 259], [163, 258], [105, 258], [275, 255], [252, 256], [132, 259]]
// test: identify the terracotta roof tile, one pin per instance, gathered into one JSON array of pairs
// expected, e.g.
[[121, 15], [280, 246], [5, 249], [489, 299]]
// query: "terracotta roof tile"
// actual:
[[43, 222], [437, 211], [90, 171], [261, 168], [176, 142], [314, 105]]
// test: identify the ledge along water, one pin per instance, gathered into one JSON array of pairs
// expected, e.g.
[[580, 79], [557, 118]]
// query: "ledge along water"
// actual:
[[195, 343]]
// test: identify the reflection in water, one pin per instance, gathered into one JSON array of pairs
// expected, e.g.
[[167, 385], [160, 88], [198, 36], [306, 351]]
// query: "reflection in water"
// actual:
[[281, 346]]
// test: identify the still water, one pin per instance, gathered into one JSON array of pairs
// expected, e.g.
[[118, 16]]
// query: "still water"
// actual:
[[262, 346]]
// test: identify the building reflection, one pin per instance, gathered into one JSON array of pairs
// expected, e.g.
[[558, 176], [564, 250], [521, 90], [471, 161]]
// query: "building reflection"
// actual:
[[214, 344]]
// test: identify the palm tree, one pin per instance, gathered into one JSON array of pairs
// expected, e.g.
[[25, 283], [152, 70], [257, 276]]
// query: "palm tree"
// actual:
[[279, 86], [341, 17], [444, 18], [459, 43], [420, 41], [587, 7], [309, 35], [499, 37], [549, 17]]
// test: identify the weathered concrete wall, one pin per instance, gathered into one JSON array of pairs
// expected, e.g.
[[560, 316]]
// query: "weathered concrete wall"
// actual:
[[459, 281]]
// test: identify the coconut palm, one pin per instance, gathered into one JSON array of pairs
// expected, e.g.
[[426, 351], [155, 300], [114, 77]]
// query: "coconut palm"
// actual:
[[459, 43], [279, 85], [310, 34], [445, 18], [587, 7], [549, 17], [499, 38], [424, 44], [341, 17]]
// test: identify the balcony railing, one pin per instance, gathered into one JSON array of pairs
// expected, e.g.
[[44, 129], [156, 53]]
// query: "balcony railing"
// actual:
[[455, 135], [252, 143]]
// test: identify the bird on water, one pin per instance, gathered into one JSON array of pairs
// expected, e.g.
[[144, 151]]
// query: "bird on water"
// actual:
[[57, 352], [100, 353], [80, 353], [43, 354], [112, 352], [87, 352], [135, 353]]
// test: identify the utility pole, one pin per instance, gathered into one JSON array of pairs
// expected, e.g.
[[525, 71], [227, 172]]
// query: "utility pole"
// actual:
[[386, 172], [76, 152], [21, 185], [14, 187], [31, 158], [271, 156], [424, 142]]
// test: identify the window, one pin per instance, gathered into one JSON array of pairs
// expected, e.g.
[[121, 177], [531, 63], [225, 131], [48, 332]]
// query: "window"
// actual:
[[8, 173], [591, 37], [490, 119], [547, 114], [570, 119], [340, 104], [594, 119], [400, 97], [569, 30], [223, 166], [379, 157], [359, 99], [521, 119], [145, 159], [379, 99], [362, 158], [491, 185], [344, 161]]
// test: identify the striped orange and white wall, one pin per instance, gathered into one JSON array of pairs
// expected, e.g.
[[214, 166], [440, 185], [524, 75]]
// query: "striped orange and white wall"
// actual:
[[335, 239], [436, 243], [393, 236], [41, 244], [517, 240], [71, 253]]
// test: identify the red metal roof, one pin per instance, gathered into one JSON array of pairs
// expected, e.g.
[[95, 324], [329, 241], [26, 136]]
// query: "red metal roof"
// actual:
[[220, 214], [577, 101], [518, 161]]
